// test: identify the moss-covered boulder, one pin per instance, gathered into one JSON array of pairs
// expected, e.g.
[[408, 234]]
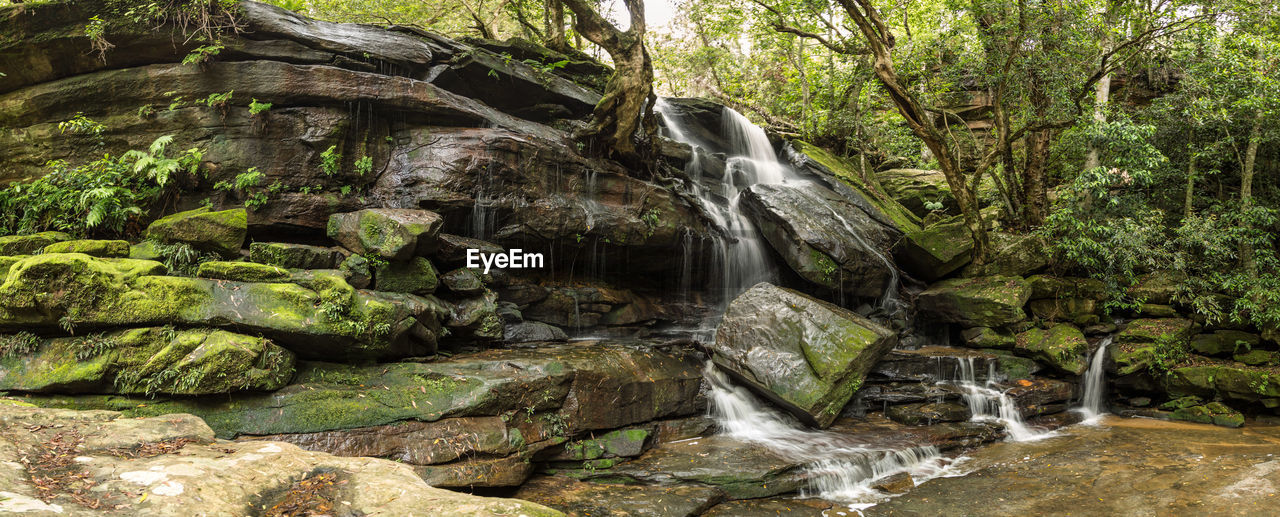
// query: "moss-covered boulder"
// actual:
[[1079, 311], [295, 256], [1224, 342], [476, 319], [242, 272], [1130, 358], [358, 272], [1215, 413], [987, 337], [149, 361], [916, 188], [95, 248], [1049, 286], [807, 355], [1258, 357], [1159, 287], [1012, 254], [330, 320], [29, 244], [1062, 346], [463, 281], [414, 276], [204, 229], [937, 251], [1151, 330], [392, 233], [1228, 380], [976, 302]]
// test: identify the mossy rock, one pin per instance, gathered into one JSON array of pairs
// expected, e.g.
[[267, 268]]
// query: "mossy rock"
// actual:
[[1013, 367], [204, 229], [1224, 342], [95, 248], [625, 443], [150, 361], [987, 337], [415, 276], [864, 183], [1049, 286], [476, 318], [30, 244], [1228, 380], [976, 302], [1011, 254], [1062, 346], [8, 262], [1150, 330], [915, 188], [358, 271], [1132, 357], [1155, 310], [242, 272], [806, 355], [1215, 413], [1079, 311], [937, 251], [331, 320], [463, 281], [1258, 357], [392, 233], [1159, 287], [295, 256]]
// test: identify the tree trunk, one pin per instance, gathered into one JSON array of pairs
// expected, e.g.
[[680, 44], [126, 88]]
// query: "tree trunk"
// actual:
[[1246, 191], [1035, 193], [1191, 184], [626, 108], [1102, 95], [554, 21], [880, 42]]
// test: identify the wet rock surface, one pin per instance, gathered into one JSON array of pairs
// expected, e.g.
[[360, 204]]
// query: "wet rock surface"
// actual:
[[1123, 467], [60, 462]]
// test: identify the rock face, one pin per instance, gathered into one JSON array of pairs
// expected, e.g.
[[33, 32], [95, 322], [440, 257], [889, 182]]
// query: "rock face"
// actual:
[[172, 465], [1062, 346], [331, 319], [219, 232], [826, 239], [474, 420], [394, 234], [977, 302], [806, 354], [149, 361]]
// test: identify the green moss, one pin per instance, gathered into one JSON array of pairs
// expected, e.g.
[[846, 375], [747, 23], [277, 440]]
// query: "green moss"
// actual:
[[242, 272], [1062, 346], [219, 232], [28, 244], [866, 184], [96, 248], [416, 276]]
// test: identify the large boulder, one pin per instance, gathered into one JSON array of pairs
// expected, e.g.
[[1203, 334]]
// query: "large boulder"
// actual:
[[204, 229], [326, 319], [914, 188], [824, 238], [1011, 254], [394, 234], [29, 244], [807, 355], [149, 361], [1229, 380], [1062, 346], [97, 248], [295, 256], [171, 465], [936, 251], [976, 302]]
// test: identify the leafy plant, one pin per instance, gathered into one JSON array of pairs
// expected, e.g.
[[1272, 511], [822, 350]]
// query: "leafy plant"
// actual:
[[157, 166], [14, 345], [1169, 351], [364, 165], [330, 160], [96, 31], [81, 125], [202, 54], [181, 258], [256, 107]]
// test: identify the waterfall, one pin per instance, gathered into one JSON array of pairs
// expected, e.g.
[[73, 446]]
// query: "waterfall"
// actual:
[[1093, 404], [742, 255], [988, 403], [836, 468]]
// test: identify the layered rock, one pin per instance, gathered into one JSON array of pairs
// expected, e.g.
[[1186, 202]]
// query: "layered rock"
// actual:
[[179, 469], [807, 355], [976, 302]]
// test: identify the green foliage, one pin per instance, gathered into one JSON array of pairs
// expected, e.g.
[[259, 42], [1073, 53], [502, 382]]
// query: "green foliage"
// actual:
[[202, 54], [22, 343], [1168, 352], [96, 31], [99, 197], [181, 258], [93, 345], [247, 184], [217, 100], [81, 125], [256, 107], [330, 161], [364, 165]]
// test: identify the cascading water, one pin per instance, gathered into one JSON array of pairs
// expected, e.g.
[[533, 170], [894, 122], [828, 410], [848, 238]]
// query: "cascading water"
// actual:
[[837, 468], [988, 403], [743, 255], [1093, 404]]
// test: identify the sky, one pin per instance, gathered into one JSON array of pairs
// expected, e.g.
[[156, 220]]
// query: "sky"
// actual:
[[658, 13]]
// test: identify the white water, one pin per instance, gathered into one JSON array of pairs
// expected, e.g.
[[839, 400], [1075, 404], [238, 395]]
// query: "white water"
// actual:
[[837, 468], [1093, 403], [988, 403]]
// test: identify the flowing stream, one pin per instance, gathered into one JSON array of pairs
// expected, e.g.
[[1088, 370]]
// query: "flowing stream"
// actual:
[[837, 468], [988, 403]]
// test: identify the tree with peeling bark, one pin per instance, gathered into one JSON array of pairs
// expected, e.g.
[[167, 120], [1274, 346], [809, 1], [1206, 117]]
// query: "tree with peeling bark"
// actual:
[[623, 119]]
